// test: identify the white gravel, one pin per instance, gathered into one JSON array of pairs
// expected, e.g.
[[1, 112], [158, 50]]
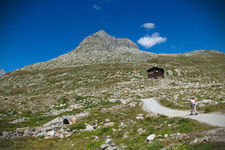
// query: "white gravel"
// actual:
[[214, 119]]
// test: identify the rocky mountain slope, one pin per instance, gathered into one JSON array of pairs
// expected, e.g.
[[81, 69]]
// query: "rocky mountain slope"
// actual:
[[103, 80], [97, 48]]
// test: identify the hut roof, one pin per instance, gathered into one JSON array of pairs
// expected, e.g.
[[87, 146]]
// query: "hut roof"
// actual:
[[155, 68]]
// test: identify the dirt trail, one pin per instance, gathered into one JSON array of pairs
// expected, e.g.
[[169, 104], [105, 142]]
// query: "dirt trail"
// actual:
[[214, 119]]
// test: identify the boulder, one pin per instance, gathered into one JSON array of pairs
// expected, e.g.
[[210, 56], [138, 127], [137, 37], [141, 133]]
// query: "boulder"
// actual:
[[21, 130], [125, 135], [140, 131], [140, 116], [105, 146], [199, 141], [113, 100], [184, 136], [110, 124], [50, 133], [5, 134], [107, 120], [28, 132], [89, 127], [151, 137], [169, 72], [178, 71], [108, 140], [132, 104]]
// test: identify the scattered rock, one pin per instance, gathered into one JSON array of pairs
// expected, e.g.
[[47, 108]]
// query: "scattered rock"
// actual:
[[50, 133], [114, 100], [89, 127], [184, 136], [110, 124], [108, 140], [125, 135], [140, 116], [169, 72], [122, 125], [141, 131], [104, 146], [178, 71], [151, 137], [199, 141], [21, 130], [53, 128], [5, 134], [107, 120], [109, 145], [28, 132], [132, 104]]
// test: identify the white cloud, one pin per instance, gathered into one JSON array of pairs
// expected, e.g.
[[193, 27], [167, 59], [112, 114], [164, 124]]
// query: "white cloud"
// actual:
[[148, 25], [97, 7], [149, 41]]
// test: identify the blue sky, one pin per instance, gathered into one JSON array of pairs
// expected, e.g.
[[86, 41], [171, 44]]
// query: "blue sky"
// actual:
[[39, 30]]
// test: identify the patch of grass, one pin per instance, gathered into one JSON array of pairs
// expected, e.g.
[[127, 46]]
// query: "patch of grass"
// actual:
[[212, 108], [78, 98], [73, 112], [168, 104], [79, 125], [35, 119], [94, 145], [3, 111], [155, 145], [63, 100], [206, 146], [208, 109]]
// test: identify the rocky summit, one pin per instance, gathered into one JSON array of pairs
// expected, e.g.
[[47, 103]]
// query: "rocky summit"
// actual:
[[101, 41], [91, 98], [97, 48]]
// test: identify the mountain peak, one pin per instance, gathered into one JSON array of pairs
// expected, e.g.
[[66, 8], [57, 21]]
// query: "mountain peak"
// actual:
[[101, 32], [102, 41]]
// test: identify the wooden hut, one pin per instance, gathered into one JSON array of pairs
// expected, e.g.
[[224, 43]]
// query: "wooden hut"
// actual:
[[155, 73]]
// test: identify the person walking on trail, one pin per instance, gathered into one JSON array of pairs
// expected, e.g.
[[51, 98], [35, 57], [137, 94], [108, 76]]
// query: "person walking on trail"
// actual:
[[193, 107]]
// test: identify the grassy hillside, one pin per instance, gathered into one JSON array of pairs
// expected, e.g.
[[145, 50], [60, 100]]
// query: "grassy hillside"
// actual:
[[37, 94]]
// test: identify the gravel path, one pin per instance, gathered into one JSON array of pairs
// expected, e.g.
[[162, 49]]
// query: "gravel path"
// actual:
[[215, 119]]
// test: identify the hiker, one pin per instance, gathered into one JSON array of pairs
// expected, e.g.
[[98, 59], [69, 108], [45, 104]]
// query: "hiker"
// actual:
[[193, 107]]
